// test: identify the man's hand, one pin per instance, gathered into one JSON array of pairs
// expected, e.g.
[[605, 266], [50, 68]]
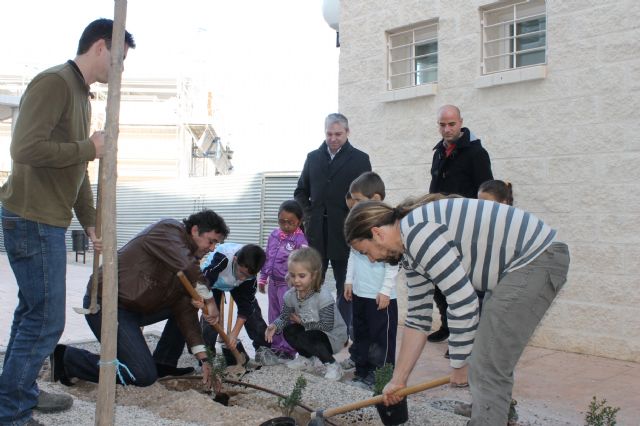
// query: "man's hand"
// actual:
[[348, 291], [388, 391], [459, 377], [382, 300], [206, 373], [233, 341], [295, 318], [97, 242], [269, 332], [214, 313], [262, 287], [98, 142]]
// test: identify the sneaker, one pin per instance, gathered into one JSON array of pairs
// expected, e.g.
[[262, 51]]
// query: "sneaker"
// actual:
[[439, 336], [462, 409], [266, 357], [358, 382], [169, 370], [513, 414], [334, 371], [301, 362], [348, 364], [284, 356], [53, 402]]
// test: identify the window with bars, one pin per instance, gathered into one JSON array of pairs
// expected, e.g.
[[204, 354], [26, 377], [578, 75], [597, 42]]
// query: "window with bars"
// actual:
[[514, 36], [413, 56]]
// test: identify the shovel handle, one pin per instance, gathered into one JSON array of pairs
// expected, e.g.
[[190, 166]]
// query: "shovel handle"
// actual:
[[194, 295], [379, 398]]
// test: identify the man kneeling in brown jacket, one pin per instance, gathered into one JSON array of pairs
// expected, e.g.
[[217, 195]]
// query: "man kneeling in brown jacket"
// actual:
[[149, 292]]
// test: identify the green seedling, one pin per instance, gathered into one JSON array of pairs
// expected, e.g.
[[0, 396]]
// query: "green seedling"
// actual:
[[383, 375], [601, 414], [218, 369], [288, 404]]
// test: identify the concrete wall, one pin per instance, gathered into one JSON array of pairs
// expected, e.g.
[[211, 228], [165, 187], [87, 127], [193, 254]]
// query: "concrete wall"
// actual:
[[569, 142]]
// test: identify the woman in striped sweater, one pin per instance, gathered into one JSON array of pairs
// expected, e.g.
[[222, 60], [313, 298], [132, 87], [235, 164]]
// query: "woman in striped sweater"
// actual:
[[462, 246]]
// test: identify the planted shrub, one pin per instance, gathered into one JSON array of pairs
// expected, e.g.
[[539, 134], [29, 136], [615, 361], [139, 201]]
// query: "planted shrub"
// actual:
[[289, 403], [600, 414]]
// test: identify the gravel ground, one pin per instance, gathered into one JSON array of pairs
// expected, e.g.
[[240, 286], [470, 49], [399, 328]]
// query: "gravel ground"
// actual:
[[161, 405]]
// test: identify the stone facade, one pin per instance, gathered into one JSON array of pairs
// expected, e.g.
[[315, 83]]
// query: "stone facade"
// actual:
[[568, 141]]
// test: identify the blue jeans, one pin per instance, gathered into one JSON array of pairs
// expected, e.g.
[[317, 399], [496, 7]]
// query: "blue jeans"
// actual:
[[132, 347], [38, 257]]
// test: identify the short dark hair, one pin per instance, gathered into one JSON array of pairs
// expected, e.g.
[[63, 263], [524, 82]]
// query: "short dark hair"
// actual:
[[252, 257], [368, 184], [502, 190], [206, 220], [293, 207], [101, 29]]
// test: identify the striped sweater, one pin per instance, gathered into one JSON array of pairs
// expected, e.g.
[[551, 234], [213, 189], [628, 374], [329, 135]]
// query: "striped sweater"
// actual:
[[462, 245]]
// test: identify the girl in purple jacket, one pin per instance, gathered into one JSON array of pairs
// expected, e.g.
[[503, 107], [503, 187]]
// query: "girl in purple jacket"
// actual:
[[282, 241]]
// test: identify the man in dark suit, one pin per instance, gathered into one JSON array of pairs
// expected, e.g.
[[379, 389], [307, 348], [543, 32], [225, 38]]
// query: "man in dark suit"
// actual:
[[328, 171]]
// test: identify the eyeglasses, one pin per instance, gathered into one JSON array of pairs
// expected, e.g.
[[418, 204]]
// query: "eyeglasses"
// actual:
[[287, 222]]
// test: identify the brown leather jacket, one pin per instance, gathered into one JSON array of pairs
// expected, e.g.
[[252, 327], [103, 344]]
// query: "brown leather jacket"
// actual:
[[147, 281]]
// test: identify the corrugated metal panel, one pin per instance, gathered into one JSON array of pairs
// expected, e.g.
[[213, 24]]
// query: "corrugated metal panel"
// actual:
[[242, 200], [278, 187]]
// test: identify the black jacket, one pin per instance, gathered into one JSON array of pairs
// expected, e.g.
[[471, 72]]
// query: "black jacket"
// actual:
[[321, 191], [464, 170]]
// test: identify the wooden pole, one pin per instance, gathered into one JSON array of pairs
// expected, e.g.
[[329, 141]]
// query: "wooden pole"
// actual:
[[105, 406]]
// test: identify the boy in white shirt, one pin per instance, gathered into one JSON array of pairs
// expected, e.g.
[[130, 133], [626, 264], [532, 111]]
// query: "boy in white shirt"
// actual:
[[371, 288]]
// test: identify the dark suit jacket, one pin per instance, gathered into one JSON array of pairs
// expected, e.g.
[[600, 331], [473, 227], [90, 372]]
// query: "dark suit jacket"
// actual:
[[321, 191]]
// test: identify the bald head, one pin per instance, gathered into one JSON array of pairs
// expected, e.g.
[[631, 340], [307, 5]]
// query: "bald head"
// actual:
[[449, 123]]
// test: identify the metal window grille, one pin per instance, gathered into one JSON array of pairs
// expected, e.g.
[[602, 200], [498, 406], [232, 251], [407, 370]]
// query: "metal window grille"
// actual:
[[514, 36], [412, 56]]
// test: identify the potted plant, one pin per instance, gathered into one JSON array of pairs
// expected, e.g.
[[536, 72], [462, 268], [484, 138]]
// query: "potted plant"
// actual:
[[218, 367], [288, 404], [392, 414]]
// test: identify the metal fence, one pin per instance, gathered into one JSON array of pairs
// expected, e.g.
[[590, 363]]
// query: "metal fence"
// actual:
[[248, 203]]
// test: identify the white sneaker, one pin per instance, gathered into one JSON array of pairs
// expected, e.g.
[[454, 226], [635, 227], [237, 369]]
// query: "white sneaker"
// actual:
[[266, 357], [334, 371], [300, 363], [348, 364]]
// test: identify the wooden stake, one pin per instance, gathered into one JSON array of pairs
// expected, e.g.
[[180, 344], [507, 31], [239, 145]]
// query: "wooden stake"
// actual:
[[105, 406]]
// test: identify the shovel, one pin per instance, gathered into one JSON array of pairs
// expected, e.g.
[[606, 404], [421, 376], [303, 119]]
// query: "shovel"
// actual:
[[94, 307], [317, 418], [241, 359]]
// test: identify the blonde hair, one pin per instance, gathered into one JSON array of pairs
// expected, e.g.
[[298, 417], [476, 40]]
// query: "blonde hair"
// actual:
[[369, 214], [312, 261]]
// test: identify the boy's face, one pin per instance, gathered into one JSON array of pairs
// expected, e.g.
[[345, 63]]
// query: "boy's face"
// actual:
[[358, 197], [241, 272], [350, 202]]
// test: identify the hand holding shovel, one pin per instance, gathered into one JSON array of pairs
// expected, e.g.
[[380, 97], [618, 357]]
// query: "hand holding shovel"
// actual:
[[240, 358]]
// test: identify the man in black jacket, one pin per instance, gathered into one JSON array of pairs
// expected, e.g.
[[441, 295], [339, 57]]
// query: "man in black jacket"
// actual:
[[460, 164], [328, 171]]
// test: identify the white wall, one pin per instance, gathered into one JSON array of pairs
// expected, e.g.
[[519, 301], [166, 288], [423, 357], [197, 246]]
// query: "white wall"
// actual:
[[569, 142]]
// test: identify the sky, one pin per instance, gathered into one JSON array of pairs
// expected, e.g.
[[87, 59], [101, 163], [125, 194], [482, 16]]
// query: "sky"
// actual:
[[272, 66]]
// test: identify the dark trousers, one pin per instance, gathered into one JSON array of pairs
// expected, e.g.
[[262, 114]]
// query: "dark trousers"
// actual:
[[254, 325], [132, 347], [441, 302], [375, 335], [345, 307], [309, 343]]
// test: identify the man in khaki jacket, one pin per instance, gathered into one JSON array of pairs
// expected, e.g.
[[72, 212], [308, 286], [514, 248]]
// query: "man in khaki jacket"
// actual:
[[149, 292], [50, 148]]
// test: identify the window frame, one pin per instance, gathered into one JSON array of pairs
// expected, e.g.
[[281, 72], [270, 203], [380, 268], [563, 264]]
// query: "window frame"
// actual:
[[512, 37], [414, 74]]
